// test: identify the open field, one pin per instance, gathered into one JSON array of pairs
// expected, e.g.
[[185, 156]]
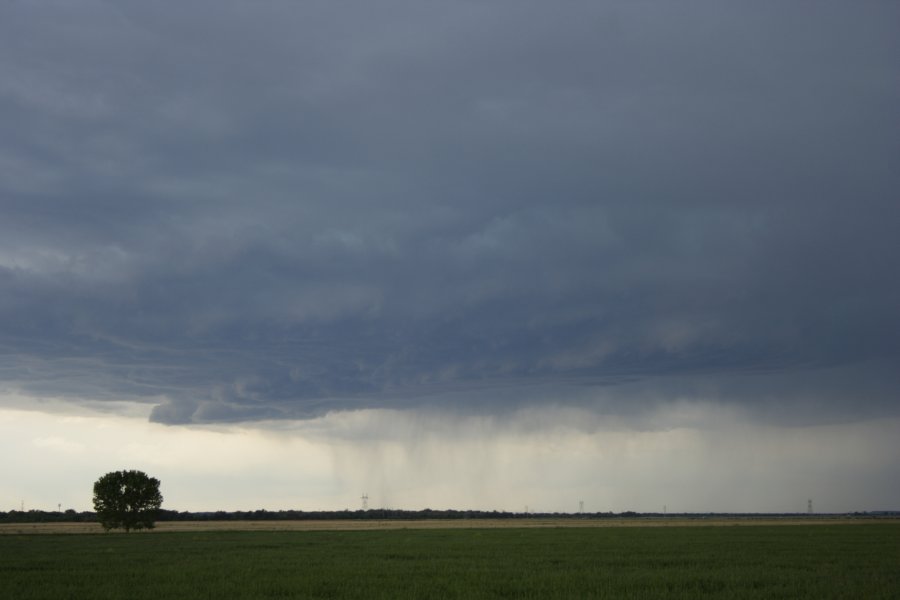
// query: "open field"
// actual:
[[764, 561], [374, 524]]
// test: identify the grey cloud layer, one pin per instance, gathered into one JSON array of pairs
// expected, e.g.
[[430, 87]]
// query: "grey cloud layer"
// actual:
[[246, 210]]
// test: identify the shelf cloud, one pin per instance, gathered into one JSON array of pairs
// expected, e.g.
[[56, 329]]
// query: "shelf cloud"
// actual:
[[235, 212]]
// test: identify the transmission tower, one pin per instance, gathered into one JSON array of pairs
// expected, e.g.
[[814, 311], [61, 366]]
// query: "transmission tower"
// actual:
[[365, 501], [809, 509]]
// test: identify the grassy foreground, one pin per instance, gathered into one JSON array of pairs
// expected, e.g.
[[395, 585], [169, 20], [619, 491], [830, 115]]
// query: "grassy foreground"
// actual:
[[802, 561]]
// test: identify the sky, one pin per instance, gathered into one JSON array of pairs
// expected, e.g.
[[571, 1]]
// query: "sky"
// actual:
[[498, 255]]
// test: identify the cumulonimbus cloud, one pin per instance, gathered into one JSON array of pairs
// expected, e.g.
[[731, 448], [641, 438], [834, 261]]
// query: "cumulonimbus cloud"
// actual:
[[242, 214]]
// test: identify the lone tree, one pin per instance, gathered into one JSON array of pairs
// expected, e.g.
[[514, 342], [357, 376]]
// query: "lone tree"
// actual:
[[128, 499]]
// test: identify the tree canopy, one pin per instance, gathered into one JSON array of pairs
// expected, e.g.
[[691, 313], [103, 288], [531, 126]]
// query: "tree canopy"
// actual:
[[127, 499]]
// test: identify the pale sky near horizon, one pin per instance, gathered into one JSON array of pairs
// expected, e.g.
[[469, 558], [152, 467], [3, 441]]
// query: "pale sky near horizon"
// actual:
[[480, 255]]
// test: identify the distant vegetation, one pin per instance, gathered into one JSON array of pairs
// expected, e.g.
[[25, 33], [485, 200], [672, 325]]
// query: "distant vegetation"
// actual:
[[44, 516], [71, 516]]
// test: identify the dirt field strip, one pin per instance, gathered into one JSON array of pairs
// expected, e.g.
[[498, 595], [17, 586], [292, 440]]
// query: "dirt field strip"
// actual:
[[84, 528]]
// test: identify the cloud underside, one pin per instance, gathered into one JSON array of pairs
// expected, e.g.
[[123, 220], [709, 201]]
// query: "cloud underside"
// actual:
[[240, 212]]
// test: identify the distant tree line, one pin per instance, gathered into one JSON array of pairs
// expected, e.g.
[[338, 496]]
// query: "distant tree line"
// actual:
[[41, 516], [350, 515], [38, 516], [71, 516]]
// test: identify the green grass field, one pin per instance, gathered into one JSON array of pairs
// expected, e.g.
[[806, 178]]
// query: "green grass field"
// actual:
[[798, 561]]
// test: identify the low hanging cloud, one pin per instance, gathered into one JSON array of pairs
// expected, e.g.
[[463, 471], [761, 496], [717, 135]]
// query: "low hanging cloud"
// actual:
[[236, 212]]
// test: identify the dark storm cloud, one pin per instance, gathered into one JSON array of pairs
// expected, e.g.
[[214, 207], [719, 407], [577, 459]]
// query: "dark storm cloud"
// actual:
[[264, 210]]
